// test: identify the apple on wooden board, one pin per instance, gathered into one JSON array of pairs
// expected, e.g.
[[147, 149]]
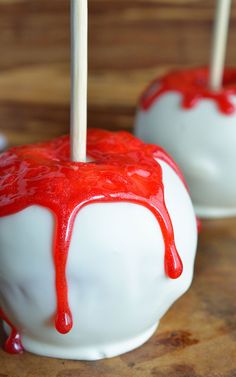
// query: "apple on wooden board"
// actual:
[[197, 126], [92, 254]]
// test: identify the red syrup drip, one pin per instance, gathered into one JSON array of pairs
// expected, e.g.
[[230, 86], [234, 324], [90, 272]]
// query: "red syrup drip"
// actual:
[[123, 170], [192, 84], [13, 343]]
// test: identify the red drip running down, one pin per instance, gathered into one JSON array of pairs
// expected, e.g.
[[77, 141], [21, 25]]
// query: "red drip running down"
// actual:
[[13, 344], [192, 84], [123, 170]]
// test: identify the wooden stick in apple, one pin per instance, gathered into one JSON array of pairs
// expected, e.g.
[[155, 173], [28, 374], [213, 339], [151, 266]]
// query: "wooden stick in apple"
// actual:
[[79, 78], [219, 43]]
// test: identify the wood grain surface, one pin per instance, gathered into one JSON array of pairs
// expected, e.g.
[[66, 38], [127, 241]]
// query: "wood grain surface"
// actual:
[[197, 337], [130, 43]]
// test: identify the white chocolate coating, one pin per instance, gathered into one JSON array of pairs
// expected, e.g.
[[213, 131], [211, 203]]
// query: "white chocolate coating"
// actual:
[[202, 141], [118, 290], [3, 142]]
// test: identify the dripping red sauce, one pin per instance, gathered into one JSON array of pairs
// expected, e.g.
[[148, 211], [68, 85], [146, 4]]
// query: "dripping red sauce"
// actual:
[[13, 343], [193, 86], [123, 170]]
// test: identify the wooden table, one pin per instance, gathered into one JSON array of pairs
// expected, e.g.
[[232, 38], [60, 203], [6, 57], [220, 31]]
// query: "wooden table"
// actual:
[[130, 43], [197, 337]]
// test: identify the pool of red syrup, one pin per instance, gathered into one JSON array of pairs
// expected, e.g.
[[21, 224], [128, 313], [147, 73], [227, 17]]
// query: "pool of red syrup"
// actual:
[[193, 86], [123, 170]]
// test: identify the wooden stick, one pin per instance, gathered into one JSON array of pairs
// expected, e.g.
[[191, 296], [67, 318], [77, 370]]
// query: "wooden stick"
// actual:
[[219, 43], [79, 79]]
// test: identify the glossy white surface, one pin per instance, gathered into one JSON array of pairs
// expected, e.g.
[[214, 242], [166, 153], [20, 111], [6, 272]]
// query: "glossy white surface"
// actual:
[[202, 141], [3, 142], [118, 289]]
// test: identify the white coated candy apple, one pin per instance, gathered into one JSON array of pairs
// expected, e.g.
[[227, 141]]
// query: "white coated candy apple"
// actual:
[[198, 128], [93, 254]]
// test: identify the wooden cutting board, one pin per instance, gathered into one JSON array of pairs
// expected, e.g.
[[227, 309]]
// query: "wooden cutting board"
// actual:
[[197, 337]]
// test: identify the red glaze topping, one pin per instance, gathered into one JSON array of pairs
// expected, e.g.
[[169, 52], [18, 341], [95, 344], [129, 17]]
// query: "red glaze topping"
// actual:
[[123, 170], [13, 343], [192, 84]]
